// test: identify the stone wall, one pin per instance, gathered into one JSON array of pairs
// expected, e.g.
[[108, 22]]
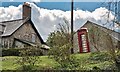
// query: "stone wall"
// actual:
[[25, 32], [99, 38], [75, 43]]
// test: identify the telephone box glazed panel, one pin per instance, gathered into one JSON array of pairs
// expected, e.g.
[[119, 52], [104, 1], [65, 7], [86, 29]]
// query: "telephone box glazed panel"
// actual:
[[83, 40]]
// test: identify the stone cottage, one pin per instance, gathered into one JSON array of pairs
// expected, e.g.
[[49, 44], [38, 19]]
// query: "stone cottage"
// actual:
[[92, 37], [20, 32]]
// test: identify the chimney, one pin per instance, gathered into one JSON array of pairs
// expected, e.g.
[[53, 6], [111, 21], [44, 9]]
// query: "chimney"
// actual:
[[26, 10]]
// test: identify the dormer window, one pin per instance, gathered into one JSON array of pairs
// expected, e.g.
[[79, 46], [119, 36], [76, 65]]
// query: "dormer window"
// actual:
[[2, 27]]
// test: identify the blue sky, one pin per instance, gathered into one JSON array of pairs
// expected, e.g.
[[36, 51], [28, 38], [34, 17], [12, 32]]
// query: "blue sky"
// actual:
[[65, 6], [59, 0]]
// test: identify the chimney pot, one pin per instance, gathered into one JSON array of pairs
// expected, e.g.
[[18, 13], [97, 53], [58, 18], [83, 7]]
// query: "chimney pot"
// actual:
[[25, 3], [26, 10]]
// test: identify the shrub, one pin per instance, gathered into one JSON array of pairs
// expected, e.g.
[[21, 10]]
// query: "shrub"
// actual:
[[63, 56], [30, 51], [100, 56], [29, 56], [10, 52], [17, 51]]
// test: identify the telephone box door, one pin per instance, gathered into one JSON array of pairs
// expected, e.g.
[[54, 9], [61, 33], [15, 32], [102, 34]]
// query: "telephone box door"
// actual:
[[83, 41]]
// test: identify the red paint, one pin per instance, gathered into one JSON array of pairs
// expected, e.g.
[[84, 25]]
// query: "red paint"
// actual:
[[81, 32]]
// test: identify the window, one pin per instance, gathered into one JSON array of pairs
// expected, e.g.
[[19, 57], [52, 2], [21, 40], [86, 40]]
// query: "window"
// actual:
[[84, 43]]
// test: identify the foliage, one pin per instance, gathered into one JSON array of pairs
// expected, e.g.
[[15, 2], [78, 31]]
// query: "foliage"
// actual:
[[113, 5], [101, 60], [63, 56], [100, 56], [42, 62], [17, 51], [60, 44], [103, 39], [29, 58], [61, 36], [45, 63], [10, 52], [57, 38]]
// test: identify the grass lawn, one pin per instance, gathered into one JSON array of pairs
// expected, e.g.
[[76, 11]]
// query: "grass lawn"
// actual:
[[44, 62], [11, 62]]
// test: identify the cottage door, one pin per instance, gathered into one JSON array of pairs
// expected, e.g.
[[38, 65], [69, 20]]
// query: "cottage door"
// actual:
[[83, 41]]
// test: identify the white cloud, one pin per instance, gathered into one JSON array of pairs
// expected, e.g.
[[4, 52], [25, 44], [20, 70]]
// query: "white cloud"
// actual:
[[10, 13], [11, 0], [47, 21], [36, 0]]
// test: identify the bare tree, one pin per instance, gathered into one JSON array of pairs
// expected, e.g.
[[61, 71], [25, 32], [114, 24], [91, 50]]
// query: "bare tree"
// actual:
[[116, 57]]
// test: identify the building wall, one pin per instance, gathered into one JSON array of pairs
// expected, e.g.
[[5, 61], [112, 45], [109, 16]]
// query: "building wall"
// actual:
[[0, 28], [98, 39], [25, 32], [0, 42], [101, 39], [0, 33], [76, 45]]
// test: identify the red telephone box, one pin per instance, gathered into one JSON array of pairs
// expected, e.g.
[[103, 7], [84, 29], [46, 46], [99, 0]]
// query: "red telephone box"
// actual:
[[83, 40]]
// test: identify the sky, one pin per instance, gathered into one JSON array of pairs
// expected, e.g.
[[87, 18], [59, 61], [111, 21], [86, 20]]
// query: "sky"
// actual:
[[47, 16], [59, 0]]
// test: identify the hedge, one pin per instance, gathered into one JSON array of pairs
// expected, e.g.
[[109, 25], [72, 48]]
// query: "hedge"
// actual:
[[18, 51], [10, 52]]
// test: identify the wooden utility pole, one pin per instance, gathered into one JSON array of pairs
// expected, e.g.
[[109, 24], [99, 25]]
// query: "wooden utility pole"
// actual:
[[72, 26]]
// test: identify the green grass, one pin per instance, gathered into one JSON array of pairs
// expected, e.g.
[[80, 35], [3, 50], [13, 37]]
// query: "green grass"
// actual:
[[10, 63], [82, 56], [44, 62]]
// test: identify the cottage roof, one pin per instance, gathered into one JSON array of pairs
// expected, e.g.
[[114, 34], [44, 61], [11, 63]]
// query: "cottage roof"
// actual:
[[13, 25], [112, 33]]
